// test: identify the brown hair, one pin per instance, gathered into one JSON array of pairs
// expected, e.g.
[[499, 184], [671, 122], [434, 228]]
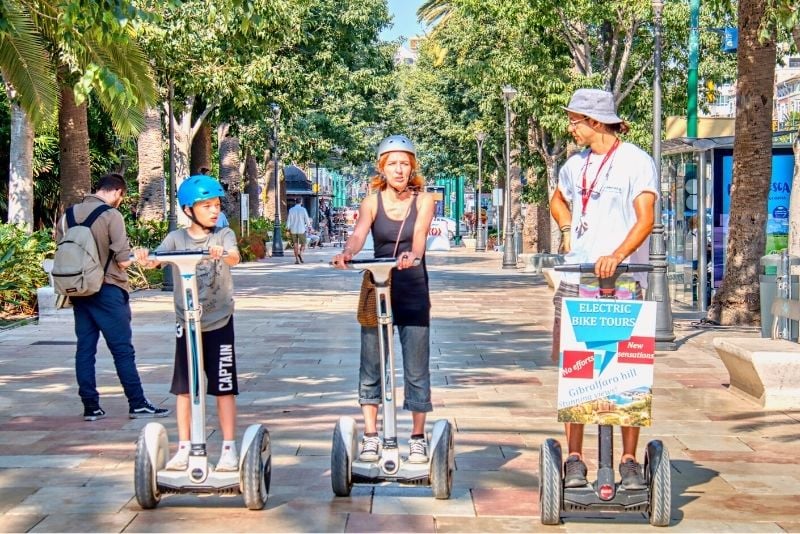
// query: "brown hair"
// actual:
[[620, 127], [415, 181]]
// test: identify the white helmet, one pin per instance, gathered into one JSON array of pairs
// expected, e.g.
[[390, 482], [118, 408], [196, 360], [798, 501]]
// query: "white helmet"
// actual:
[[396, 143]]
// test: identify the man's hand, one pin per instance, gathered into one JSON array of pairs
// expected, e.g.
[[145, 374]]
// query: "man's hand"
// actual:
[[605, 266], [566, 242]]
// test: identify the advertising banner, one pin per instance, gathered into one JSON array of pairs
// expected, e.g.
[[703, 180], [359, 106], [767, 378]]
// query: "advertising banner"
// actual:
[[606, 364]]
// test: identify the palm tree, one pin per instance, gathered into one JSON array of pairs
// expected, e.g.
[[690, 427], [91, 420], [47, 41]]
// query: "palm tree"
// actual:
[[30, 83], [737, 301], [433, 12]]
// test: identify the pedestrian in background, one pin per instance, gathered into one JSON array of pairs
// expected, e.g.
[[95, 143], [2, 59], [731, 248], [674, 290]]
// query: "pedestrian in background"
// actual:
[[108, 311], [298, 221]]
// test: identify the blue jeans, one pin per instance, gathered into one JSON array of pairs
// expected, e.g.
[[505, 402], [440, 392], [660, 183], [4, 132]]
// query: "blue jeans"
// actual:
[[107, 311], [415, 341]]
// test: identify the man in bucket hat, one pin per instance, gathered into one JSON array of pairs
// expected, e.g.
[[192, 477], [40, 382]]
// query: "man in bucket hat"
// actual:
[[612, 187]]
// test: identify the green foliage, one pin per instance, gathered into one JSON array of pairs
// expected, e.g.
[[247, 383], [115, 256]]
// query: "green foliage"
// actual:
[[147, 234], [262, 227], [21, 270]]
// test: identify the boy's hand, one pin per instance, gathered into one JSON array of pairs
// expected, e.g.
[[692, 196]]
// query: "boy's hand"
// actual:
[[140, 254], [215, 252]]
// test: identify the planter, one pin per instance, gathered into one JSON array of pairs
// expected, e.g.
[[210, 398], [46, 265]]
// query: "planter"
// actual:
[[469, 242]]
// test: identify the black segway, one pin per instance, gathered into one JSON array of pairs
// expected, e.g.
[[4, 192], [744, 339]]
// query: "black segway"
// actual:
[[346, 468], [604, 494], [152, 480]]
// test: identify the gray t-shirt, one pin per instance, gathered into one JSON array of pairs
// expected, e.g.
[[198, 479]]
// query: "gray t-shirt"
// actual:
[[214, 280]]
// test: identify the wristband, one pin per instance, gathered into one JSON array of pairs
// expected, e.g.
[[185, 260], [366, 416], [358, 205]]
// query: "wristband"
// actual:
[[565, 229]]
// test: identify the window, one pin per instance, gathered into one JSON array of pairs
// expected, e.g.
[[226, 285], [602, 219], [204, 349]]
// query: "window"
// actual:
[[794, 62]]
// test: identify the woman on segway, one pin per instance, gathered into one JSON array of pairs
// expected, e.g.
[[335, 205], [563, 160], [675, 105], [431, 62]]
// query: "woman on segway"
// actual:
[[399, 216]]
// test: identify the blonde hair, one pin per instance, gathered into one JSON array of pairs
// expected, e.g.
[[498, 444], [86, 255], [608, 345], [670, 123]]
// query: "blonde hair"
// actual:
[[415, 181]]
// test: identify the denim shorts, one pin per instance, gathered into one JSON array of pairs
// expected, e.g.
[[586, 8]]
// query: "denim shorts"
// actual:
[[415, 341]]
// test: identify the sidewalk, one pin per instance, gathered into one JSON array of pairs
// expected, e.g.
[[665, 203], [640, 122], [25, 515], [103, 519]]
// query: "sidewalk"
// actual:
[[734, 466]]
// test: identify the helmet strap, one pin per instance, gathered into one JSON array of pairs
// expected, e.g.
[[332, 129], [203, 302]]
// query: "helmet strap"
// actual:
[[198, 223]]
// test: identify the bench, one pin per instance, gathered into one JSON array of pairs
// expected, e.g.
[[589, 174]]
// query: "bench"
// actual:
[[51, 306], [765, 369]]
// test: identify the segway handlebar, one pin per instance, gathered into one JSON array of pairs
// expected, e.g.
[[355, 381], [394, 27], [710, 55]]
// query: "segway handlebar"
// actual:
[[381, 268], [589, 268]]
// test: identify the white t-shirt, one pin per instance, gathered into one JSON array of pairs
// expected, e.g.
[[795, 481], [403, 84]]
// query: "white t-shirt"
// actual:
[[610, 215], [297, 220]]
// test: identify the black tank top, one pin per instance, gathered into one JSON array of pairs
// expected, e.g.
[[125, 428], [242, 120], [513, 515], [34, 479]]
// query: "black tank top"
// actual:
[[411, 302]]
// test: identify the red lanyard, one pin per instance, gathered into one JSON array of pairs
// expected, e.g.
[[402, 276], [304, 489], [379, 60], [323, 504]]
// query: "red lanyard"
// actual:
[[586, 194]]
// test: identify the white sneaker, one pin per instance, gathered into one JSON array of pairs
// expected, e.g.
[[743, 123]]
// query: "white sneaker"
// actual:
[[179, 462], [370, 449], [228, 460], [417, 451]]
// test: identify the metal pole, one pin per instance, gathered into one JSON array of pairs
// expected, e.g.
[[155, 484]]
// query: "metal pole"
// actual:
[[702, 263], [694, 59], [316, 196], [480, 238], [172, 217], [509, 254], [657, 288], [277, 239]]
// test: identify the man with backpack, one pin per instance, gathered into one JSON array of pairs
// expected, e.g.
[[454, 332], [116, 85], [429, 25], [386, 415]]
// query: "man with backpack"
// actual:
[[92, 273]]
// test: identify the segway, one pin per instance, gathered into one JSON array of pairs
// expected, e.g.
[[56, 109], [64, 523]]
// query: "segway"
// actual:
[[604, 495], [152, 480], [346, 467]]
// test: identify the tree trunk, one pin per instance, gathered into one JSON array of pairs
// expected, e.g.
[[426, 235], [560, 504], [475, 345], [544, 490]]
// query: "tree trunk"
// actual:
[[73, 145], [737, 301], [152, 183], [201, 149], [251, 186], [794, 201], [229, 174], [20, 167]]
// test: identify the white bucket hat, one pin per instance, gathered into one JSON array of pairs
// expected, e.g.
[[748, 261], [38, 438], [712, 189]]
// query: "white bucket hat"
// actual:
[[595, 104]]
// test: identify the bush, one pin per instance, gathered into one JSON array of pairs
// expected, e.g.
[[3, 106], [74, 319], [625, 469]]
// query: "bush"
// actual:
[[21, 272], [147, 234]]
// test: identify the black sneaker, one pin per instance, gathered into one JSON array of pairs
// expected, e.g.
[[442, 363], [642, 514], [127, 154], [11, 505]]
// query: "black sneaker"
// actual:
[[631, 472], [93, 413], [147, 410], [574, 472]]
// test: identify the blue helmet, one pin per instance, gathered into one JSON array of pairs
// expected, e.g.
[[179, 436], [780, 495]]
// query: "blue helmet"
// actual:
[[198, 187]]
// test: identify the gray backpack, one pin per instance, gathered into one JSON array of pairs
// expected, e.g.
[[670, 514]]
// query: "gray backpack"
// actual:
[[77, 271]]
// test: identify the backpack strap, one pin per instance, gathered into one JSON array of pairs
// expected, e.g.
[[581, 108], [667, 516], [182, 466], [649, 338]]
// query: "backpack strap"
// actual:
[[98, 211], [88, 222]]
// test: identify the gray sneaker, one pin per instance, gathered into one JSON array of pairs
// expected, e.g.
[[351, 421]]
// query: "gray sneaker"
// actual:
[[417, 451], [370, 449], [574, 472], [631, 472]]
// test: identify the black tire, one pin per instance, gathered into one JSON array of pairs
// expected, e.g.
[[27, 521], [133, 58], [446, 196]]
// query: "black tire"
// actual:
[[657, 466], [257, 466], [443, 464], [341, 479], [551, 483], [144, 476]]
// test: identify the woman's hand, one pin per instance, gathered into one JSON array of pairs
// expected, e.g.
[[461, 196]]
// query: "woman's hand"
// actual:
[[406, 260], [340, 260]]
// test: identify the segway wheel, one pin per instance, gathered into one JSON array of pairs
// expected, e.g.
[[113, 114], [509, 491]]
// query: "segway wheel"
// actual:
[[550, 482], [657, 466], [443, 464], [144, 474], [341, 467], [257, 466]]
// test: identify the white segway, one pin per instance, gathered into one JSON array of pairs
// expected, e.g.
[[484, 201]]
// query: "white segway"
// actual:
[[152, 449], [346, 468]]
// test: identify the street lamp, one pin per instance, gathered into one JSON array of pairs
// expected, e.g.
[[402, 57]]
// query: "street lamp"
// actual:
[[172, 216], [657, 288], [277, 240], [509, 254], [480, 238]]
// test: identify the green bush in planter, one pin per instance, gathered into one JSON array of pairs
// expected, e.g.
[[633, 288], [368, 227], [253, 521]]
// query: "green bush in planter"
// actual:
[[21, 272]]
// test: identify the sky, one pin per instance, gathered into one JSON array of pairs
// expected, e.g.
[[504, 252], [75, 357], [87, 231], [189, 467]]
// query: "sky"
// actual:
[[404, 21]]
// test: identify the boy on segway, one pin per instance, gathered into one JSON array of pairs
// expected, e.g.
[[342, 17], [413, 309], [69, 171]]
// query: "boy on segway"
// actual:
[[200, 199], [612, 187]]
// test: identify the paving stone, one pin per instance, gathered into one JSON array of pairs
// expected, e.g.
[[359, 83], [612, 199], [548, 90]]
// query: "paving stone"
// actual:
[[65, 522]]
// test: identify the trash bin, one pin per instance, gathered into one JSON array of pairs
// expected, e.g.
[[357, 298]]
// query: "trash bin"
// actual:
[[768, 290]]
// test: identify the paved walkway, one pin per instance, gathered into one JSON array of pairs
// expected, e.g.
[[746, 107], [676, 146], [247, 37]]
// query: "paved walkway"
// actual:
[[734, 466]]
